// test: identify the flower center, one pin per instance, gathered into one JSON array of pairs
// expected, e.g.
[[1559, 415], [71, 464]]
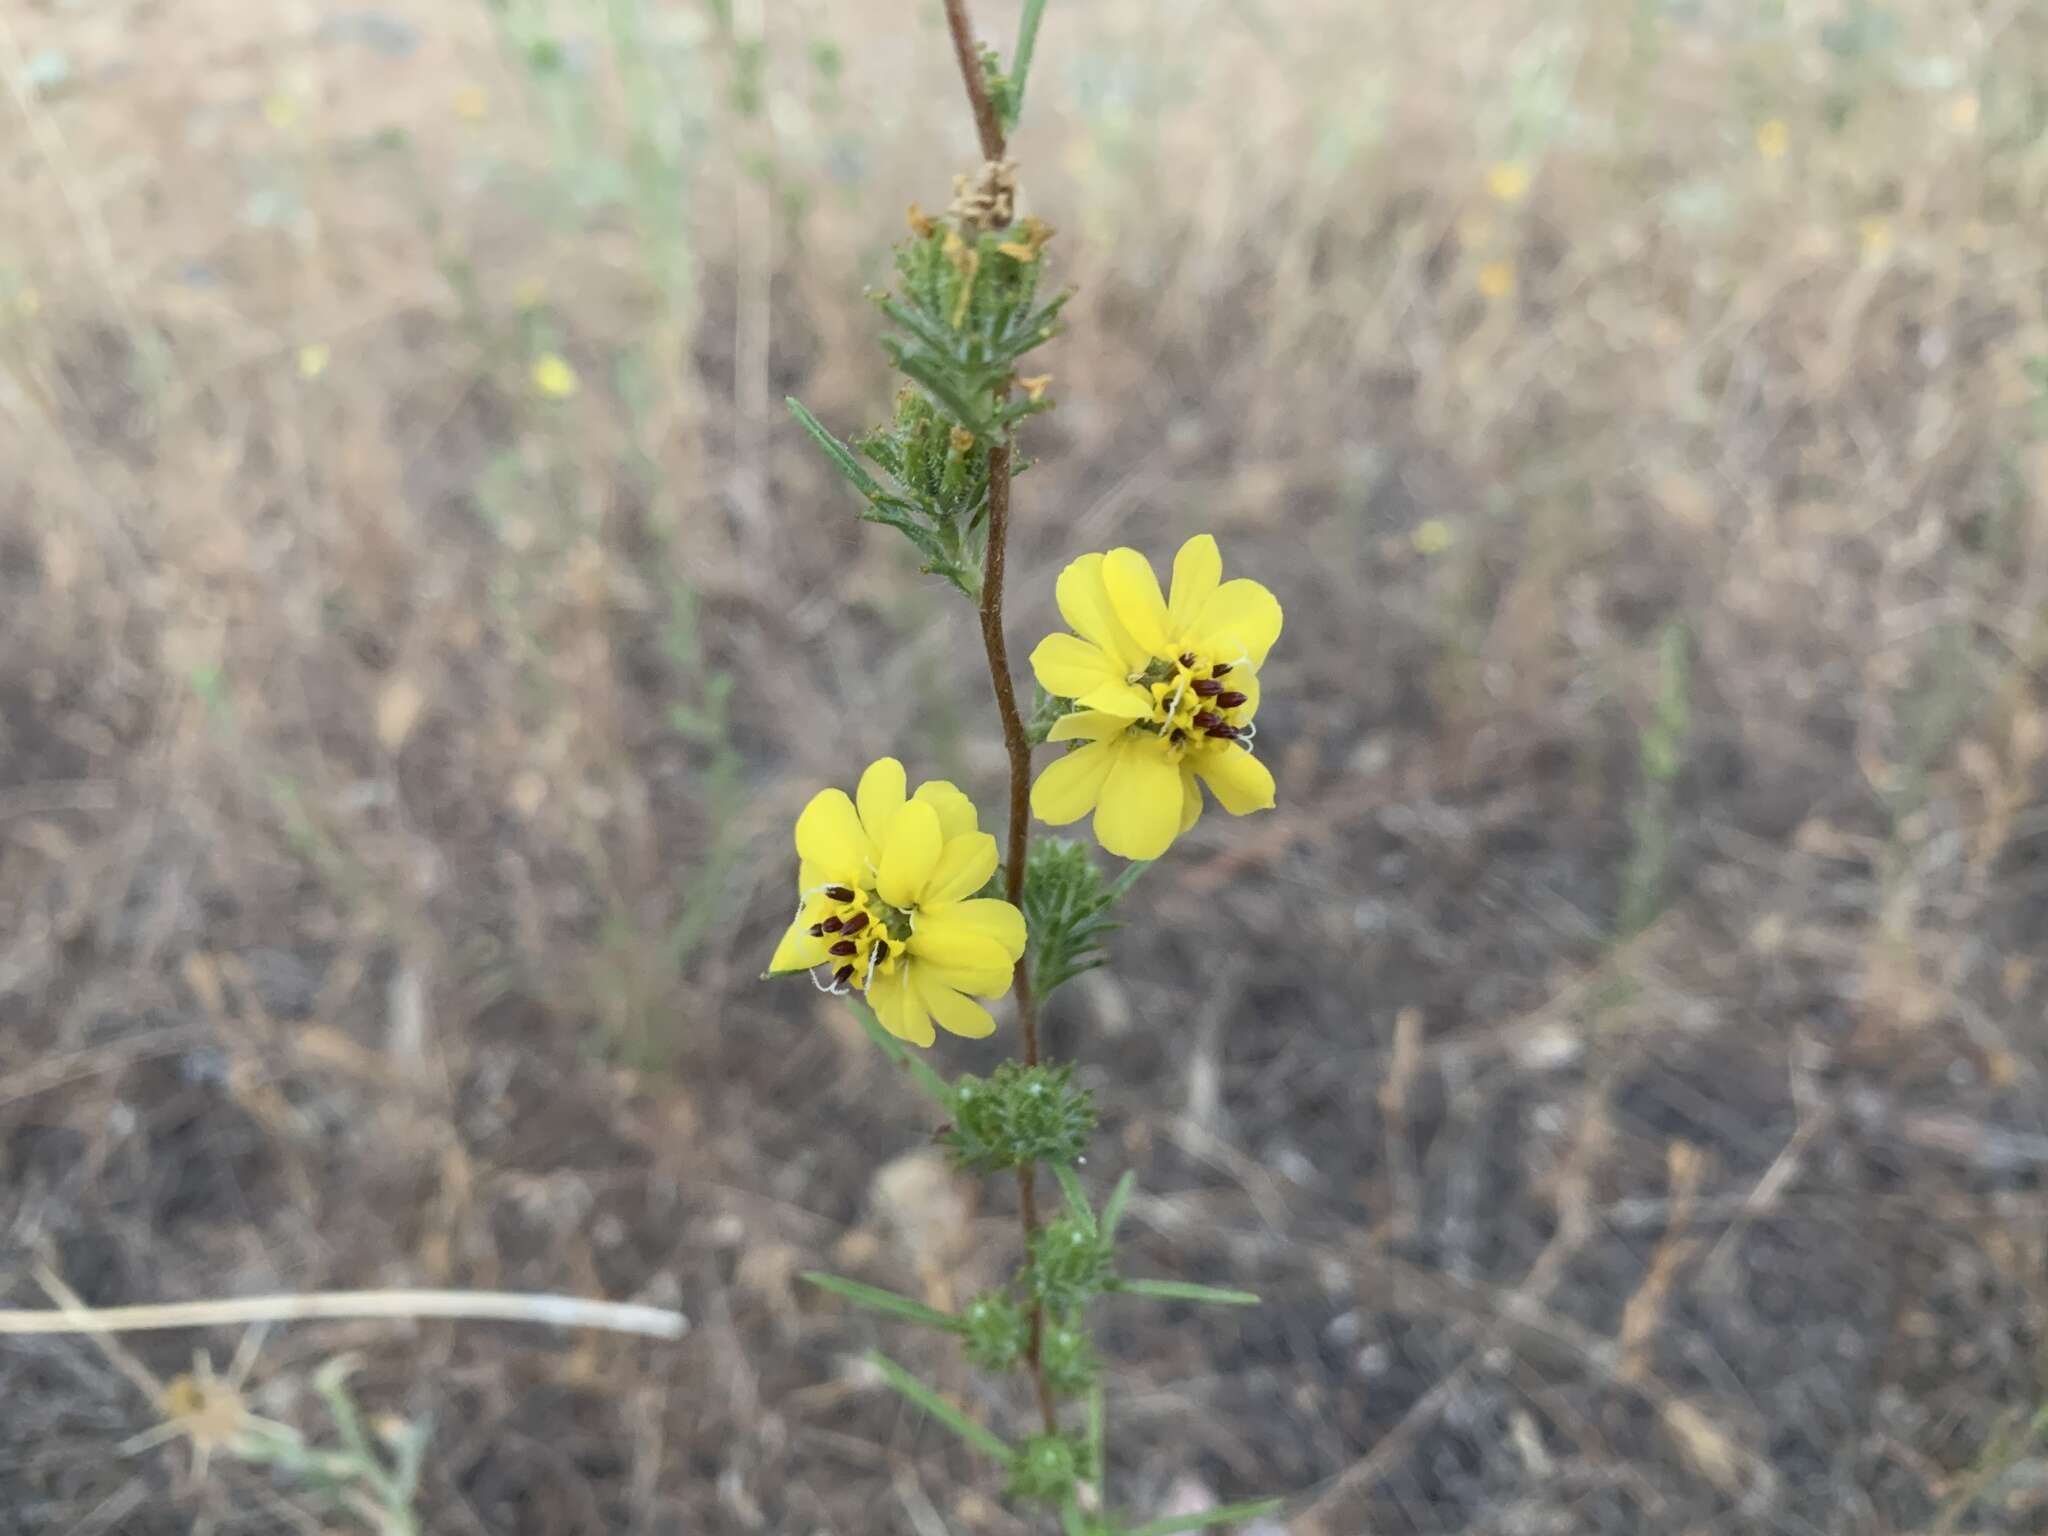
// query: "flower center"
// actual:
[[1194, 706], [866, 934]]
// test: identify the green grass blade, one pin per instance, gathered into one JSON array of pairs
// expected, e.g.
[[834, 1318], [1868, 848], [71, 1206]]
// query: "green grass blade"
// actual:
[[1251, 1509], [976, 1435], [1071, 1521], [1077, 1197], [928, 1082], [1020, 63], [1182, 1290], [875, 1299], [1113, 1208]]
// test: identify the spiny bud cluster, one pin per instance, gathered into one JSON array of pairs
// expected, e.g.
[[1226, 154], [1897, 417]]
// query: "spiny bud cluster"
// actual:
[[1018, 1116], [1069, 1265]]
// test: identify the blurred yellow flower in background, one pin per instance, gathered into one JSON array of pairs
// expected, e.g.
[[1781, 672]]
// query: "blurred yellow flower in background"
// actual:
[[1166, 689], [472, 104], [553, 376], [1875, 235], [313, 359], [1773, 138], [1508, 181], [885, 897], [1497, 279]]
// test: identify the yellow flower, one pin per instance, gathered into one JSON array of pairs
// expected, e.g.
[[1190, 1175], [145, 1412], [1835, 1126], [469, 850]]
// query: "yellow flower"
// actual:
[[472, 103], [1773, 138], [1497, 279], [313, 359], [1166, 690], [886, 885], [1875, 236], [1508, 182], [553, 376]]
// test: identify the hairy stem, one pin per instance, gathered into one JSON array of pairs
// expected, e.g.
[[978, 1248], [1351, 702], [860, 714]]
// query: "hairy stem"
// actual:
[[989, 125]]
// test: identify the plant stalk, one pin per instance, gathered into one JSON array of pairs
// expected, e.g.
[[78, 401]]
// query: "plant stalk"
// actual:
[[988, 125]]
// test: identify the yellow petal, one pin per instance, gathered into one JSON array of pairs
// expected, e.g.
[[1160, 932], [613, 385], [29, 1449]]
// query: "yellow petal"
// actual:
[[1126, 700], [956, 811], [1241, 783], [1069, 667], [829, 836], [1191, 800], [1196, 570], [1240, 619], [1068, 789], [1086, 725], [898, 1006], [1141, 803], [880, 797], [1134, 593], [970, 933], [909, 855], [798, 951], [956, 1015], [1084, 604], [965, 863]]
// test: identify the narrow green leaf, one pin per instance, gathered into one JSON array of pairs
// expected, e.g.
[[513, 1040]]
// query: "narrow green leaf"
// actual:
[[878, 1300], [1113, 1207], [1071, 1521], [849, 466], [1251, 1509], [946, 391], [1098, 1433], [1077, 1197], [976, 1435], [1182, 1290], [928, 1082]]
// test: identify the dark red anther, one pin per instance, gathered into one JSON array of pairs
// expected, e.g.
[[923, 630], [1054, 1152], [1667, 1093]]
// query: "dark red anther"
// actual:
[[1221, 669], [842, 976], [838, 893], [1222, 732], [817, 930], [1206, 687], [855, 923], [1187, 658], [1207, 720], [830, 925], [1232, 699], [844, 947]]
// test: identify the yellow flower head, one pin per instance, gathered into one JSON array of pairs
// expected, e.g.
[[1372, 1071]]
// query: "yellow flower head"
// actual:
[[885, 899], [1773, 138], [1166, 689], [1496, 279]]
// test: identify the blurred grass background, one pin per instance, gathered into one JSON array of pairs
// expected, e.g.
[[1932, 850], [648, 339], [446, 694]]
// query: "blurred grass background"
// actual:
[[419, 624]]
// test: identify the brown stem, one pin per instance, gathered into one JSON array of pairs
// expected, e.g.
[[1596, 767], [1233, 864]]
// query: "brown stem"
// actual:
[[989, 125], [987, 122]]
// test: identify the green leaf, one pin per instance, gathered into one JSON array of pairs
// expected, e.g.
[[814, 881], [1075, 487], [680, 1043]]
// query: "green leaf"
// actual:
[[1183, 1290], [849, 466], [1113, 1207], [929, 1083], [1077, 1197], [1072, 1522], [976, 1435], [1251, 1509], [1098, 1433], [875, 1299], [1020, 62]]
